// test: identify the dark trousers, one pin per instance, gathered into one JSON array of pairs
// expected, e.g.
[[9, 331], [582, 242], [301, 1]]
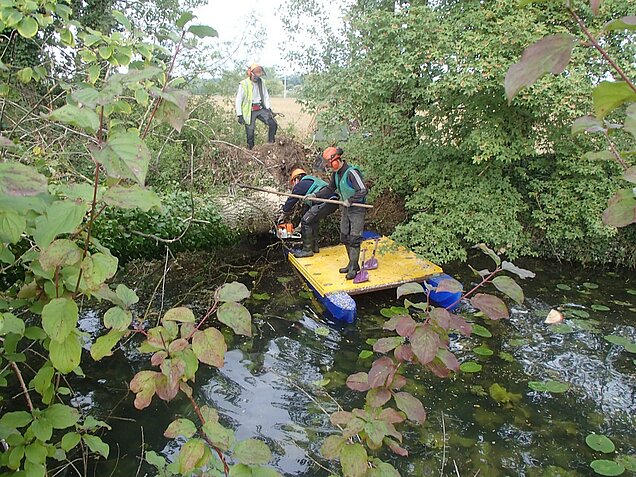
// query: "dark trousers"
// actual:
[[352, 226], [314, 214], [265, 116]]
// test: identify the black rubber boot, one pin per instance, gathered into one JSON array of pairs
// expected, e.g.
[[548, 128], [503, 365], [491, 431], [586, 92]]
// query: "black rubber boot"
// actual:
[[308, 243], [354, 268], [315, 247], [345, 269]]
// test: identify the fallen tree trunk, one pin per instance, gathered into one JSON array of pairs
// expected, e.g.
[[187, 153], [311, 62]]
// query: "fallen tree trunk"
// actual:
[[255, 212]]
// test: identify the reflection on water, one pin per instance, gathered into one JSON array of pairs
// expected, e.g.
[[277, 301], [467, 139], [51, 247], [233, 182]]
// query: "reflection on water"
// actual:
[[274, 386]]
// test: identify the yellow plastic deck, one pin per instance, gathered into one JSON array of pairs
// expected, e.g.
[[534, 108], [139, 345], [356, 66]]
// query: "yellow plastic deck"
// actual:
[[396, 265]]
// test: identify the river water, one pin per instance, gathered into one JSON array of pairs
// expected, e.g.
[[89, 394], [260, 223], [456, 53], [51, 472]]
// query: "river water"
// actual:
[[280, 384]]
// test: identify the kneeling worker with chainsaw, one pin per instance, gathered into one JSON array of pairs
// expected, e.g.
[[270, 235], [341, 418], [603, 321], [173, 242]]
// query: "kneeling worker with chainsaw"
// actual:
[[347, 181], [312, 211]]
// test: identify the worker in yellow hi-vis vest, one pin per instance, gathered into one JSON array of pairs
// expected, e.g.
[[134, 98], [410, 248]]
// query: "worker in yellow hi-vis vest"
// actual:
[[252, 103]]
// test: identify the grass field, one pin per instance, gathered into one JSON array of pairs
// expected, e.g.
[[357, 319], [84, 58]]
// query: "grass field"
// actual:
[[296, 121]]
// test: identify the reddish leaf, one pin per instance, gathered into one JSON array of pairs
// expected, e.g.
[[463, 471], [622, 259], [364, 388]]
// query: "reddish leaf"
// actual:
[[404, 353], [398, 382], [409, 289], [158, 358], [449, 285], [380, 371], [384, 345], [551, 54], [391, 416], [165, 389], [587, 124], [411, 406], [392, 322], [438, 369], [396, 448], [405, 325], [621, 210], [341, 418], [441, 316], [178, 345], [209, 347], [448, 358], [508, 286], [358, 382], [143, 385], [460, 324], [377, 397], [493, 307], [424, 343]]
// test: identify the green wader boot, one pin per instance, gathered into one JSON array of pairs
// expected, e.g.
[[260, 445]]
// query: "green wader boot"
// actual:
[[345, 269], [315, 247], [354, 258], [308, 243]]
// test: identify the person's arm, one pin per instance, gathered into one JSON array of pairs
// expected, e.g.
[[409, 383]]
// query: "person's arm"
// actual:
[[239, 100], [355, 179], [329, 191], [299, 189]]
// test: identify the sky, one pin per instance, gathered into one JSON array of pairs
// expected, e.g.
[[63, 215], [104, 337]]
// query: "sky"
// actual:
[[228, 17]]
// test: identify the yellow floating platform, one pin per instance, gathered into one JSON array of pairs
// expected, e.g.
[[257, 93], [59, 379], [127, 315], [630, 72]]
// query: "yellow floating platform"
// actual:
[[396, 265]]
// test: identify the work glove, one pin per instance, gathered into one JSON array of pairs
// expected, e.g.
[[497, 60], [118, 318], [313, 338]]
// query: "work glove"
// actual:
[[346, 203], [240, 119]]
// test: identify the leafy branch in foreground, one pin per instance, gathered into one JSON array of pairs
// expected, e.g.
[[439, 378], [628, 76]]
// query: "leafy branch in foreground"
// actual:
[[422, 340], [552, 54]]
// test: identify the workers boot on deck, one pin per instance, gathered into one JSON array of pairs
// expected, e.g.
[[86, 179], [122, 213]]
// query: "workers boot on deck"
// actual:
[[354, 268], [345, 269], [315, 247], [308, 243]]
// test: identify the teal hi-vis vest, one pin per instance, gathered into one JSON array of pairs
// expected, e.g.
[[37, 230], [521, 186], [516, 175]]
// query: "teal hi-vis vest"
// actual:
[[345, 190], [318, 184]]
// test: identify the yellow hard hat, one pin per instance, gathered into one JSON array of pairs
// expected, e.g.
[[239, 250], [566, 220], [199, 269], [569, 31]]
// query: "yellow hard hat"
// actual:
[[295, 173]]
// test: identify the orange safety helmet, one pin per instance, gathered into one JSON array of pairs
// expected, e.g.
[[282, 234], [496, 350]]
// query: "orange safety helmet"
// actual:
[[331, 155], [295, 173], [256, 70]]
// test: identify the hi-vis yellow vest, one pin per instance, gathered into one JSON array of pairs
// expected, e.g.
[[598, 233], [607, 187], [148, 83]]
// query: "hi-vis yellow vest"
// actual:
[[246, 105]]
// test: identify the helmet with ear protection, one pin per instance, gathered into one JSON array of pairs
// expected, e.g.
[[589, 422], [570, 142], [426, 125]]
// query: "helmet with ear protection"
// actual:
[[331, 155]]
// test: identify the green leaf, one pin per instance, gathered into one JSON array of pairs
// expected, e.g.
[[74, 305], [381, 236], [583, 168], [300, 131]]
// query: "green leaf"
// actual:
[[237, 317], [180, 427], [551, 54], [470, 367], [15, 419], [618, 340], [483, 351], [66, 355], [597, 307], [96, 269], [322, 331], [126, 295], [82, 118], [11, 324], [35, 453], [409, 289], [234, 291], [124, 156], [202, 31], [365, 353], [549, 386], [562, 328], [104, 345], [508, 286], [183, 19], [61, 416], [332, 446], [621, 210], [481, 331], [28, 27], [59, 253], [61, 217], [42, 429], [587, 124], [485, 249], [609, 95], [117, 319], [180, 314], [627, 461], [607, 467], [209, 347], [19, 180], [630, 174], [70, 440], [143, 384], [252, 452], [121, 18], [493, 307], [353, 459], [11, 226], [624, 23], [630, 120], [600, 443], [133, 197], [95, 444], [219, 436], [59, 318]]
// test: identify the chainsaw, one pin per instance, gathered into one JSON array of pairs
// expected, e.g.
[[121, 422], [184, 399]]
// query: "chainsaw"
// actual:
[[286, 231]]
